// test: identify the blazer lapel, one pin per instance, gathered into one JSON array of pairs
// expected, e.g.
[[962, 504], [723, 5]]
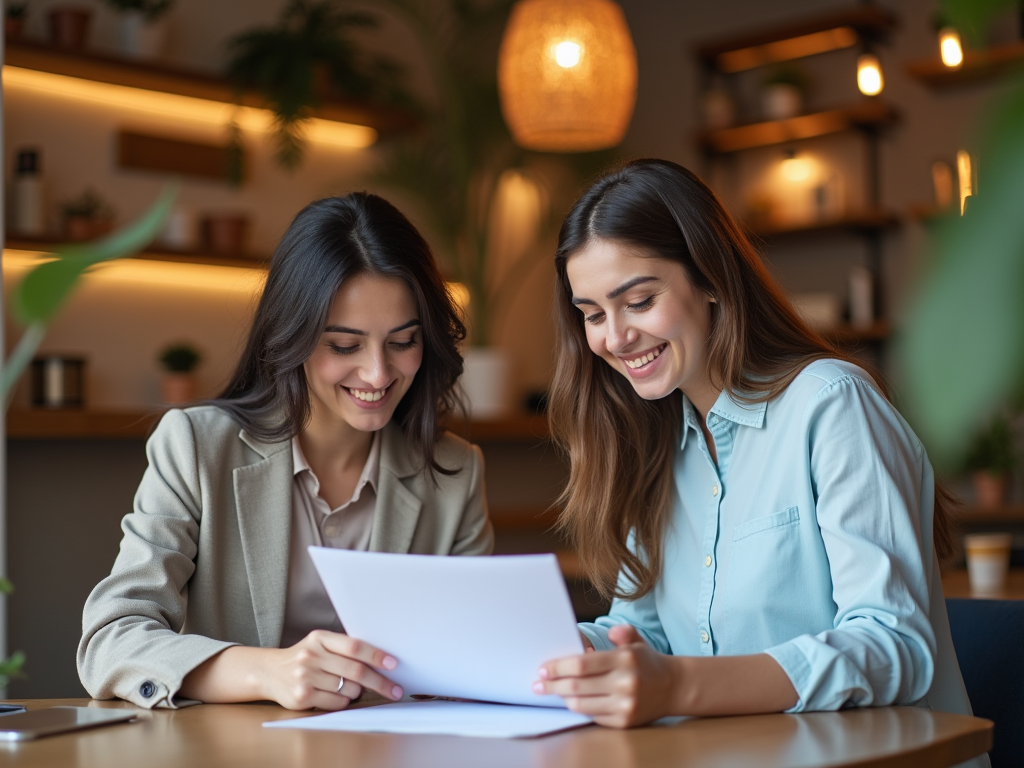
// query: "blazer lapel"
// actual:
[[397, 510], [263, 501]]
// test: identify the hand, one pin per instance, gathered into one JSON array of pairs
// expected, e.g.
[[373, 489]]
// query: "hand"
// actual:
[[306, 675], [631, 685]]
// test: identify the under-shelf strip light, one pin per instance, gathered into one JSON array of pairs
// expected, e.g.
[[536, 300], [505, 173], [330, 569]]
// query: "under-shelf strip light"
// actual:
[[183, 108]]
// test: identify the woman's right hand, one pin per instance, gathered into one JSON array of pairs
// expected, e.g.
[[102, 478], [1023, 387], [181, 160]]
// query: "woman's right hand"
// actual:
[[304, 676]]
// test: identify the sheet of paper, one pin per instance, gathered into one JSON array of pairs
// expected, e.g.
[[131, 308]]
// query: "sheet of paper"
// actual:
[[453, 718], [465, 627]]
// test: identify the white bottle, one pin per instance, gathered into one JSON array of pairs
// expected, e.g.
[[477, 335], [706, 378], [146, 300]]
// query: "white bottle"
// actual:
[[862, 299], [27, 208]]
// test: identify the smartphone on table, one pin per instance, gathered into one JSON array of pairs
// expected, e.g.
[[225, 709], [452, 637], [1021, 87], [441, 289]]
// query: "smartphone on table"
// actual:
[[36, 723]]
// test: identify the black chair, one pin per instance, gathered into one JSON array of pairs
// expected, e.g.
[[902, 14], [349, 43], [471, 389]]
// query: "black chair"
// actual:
[[989, 639]]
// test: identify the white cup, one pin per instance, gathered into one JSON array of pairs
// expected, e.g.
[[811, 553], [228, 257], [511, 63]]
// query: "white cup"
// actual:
[[988, 561]]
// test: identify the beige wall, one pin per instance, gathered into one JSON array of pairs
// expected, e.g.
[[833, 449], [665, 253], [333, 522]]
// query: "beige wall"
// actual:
[[77, 143]]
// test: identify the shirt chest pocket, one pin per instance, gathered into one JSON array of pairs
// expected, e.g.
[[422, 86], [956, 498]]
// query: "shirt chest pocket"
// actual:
[[760, 591]]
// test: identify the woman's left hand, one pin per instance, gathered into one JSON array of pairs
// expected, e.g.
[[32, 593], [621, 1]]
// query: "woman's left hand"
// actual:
[[631, 685]]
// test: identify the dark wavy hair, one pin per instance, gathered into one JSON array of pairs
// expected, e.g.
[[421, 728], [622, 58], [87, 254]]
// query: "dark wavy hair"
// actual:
[[757, 343], [329, 242]]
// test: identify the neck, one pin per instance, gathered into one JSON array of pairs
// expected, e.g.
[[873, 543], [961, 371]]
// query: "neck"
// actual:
[[331, 444], [702, 398]]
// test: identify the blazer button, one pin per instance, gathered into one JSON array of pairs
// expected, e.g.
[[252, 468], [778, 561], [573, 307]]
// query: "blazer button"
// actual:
[[147, 689]]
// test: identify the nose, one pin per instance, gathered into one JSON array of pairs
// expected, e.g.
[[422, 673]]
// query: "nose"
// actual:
[[375, 369], [620, 334]]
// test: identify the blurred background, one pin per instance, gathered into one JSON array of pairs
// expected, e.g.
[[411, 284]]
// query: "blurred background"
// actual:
[[844, 136]]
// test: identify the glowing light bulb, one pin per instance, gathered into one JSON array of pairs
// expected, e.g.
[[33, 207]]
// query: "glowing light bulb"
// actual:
[[965, 177], [869, 75], [950, 49], [797, 169], [567, 54]]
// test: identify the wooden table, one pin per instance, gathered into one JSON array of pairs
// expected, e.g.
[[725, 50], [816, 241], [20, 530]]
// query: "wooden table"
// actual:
[[213, 735], [956, 584]]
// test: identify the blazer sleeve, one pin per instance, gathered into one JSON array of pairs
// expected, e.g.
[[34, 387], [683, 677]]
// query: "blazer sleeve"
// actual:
[[475, 535], [131, 647]]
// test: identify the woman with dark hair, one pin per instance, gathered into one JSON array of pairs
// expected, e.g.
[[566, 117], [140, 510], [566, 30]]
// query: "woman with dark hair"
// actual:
[[767, 523], [327, 434]]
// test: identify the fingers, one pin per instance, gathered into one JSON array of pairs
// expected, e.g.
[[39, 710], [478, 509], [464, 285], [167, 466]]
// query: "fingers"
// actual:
[[343, 645], [625, 634], [351, 690], [579, 666], [568, 687], [362, 675]]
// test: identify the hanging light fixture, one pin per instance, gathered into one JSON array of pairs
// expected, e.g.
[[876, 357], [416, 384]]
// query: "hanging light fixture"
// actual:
[[567, 75], [950, 49], [869, 75]]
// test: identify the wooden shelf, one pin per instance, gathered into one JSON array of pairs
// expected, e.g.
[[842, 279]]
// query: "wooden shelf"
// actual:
[[956, 584], [791, 41], [971, 515], [863, 115], [533, 519], [848, 335], [47, 245], [151, 77], [76, 423], [523, 427], [866, 221], [977, 67], [80, 424]]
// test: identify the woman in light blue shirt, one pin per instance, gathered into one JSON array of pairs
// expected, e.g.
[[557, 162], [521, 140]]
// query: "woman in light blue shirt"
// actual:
[[766, 521]]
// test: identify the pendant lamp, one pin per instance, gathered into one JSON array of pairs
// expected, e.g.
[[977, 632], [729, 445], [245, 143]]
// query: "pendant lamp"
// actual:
[[567, 75]]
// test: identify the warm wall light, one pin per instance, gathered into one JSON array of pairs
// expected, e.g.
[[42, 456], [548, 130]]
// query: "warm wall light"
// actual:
[[186, 109], [784, 50], [797, 169], [964, 172], [567, 75], [869, 75], [950, 49]]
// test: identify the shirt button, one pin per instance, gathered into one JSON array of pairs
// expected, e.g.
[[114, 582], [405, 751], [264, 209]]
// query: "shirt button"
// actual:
[[707, 561], [331, 530], [147, 689], [704, 636], [714, 490]]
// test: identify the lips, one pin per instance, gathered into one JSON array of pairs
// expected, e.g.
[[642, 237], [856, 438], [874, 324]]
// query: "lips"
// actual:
[[369, 398], [639, 361]]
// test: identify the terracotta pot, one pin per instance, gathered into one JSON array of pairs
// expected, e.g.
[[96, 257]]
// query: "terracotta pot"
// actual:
[[69, 26], [177, 388], [990, 488], [13, 28], [80, 228], [225, 233]]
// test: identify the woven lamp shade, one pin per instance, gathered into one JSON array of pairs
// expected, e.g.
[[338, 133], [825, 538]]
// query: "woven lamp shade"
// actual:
[[567, 75]]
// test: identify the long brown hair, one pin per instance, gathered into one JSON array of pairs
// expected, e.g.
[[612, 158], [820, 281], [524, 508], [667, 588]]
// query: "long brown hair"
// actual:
[[331, 241], [757, 343]]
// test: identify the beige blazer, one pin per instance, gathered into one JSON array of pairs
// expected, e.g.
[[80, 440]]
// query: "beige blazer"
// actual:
[[204, 558]]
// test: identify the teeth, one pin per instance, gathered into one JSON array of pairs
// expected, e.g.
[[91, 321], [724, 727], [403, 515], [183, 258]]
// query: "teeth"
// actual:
[[368, 395], [643, 360]]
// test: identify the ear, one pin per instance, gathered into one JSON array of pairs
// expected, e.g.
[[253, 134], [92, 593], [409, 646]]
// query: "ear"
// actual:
[[712, 299]]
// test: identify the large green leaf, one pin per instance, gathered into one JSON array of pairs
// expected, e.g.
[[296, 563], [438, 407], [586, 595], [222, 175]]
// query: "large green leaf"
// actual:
[[964, 347], [38, 297]]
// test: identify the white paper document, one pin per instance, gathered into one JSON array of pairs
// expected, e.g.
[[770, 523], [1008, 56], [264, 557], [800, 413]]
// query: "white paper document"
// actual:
[[455, 718], [463, 627]]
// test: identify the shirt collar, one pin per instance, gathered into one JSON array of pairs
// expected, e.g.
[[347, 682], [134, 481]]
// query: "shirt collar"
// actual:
[[726, 407], [370, 470]]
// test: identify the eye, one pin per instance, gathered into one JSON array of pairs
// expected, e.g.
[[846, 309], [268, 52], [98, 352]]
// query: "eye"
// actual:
[[342, 350], [402, 346], [640, 306], [595, 318]]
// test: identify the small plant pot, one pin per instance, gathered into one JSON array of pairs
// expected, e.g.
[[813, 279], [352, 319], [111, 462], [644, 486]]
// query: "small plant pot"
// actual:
[[13, 28], [990, 488], [780, 101], [225, 234], [69, 26], [81, 228], [140, 38], [178, 388]]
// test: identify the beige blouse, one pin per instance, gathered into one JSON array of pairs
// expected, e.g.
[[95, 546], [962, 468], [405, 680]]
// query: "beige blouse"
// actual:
[[314, 523]]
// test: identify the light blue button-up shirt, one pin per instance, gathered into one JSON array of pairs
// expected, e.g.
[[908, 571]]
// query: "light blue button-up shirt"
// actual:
[[811, 540]]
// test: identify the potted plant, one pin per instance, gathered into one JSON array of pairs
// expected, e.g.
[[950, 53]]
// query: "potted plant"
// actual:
[[782, 93], [143, 26], [179, 362], [14, 20], [87, 216], [990, 459], [300, 62]]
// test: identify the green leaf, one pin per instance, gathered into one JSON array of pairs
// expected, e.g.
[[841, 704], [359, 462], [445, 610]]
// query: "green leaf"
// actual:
[[11, 667], [6, 587], [963, 347], [971, 17], [40, 294]]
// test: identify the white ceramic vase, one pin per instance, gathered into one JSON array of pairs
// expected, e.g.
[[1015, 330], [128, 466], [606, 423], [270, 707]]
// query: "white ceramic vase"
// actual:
[[485, 382], [780, 101], [140, 38]]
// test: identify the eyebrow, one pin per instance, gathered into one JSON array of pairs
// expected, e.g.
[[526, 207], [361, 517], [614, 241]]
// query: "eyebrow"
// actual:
[[618, 291], [357, 332]]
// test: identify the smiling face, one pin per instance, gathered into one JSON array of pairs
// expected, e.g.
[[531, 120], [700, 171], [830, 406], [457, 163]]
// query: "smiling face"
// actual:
[[645, 318], [368, 354]]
